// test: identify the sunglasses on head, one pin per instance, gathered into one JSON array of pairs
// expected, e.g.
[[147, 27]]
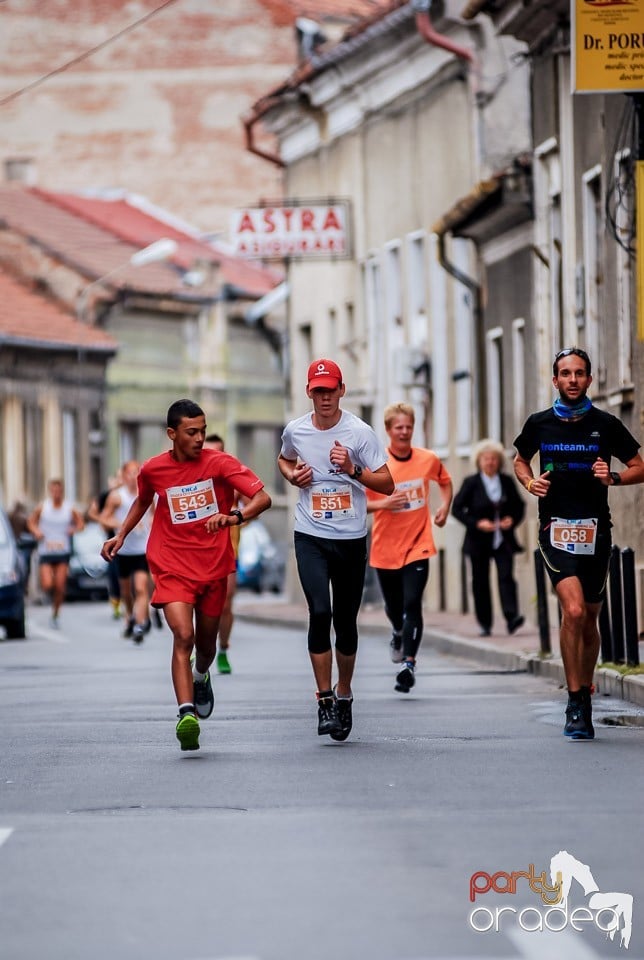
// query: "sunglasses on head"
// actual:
[[575, 351]]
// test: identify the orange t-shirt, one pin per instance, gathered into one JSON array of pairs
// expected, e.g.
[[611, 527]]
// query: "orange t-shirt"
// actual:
[[399, 537]]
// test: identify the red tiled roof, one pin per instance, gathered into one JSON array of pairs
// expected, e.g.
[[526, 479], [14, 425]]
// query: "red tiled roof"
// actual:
[[96, 237], [136, 226], [29, 319]]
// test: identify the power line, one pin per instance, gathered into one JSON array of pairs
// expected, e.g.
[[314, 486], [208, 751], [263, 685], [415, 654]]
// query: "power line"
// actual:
[[85, 55]]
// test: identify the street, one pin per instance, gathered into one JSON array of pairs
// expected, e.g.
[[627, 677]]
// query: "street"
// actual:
[[271, 843]]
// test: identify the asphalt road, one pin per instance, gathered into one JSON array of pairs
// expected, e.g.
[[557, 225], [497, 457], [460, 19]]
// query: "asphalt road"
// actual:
[[271, 843]]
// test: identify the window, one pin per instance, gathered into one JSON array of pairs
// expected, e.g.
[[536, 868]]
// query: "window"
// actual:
[[417, 293], [518, 367], [70, 454], [33, 471], [624, 215], [439, 438], [495, 380], [548, 248], [128, 442], [258, 447], [592, 225], [463, 339], [375, 336]]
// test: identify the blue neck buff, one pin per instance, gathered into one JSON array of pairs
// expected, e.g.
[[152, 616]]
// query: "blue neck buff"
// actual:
[[567, 411]]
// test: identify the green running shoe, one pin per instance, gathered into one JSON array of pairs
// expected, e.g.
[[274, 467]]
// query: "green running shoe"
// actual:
[[223, 666], [188, 732]]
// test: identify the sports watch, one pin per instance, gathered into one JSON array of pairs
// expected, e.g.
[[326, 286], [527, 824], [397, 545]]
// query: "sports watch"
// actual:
[[357, 472], [616, 478], [239, 515]]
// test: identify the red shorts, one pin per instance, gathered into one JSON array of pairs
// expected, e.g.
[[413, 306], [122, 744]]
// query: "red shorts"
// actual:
[[209, 597]]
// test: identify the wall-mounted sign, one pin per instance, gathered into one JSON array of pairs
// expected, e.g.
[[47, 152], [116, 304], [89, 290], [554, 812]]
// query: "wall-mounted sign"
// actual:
[[294, 229], [608, 46]]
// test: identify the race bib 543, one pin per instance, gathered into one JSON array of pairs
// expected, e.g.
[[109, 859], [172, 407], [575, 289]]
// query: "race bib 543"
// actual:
[[194, 501]]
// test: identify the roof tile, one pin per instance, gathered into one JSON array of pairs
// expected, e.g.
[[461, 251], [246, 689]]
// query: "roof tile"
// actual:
[[30, 319]]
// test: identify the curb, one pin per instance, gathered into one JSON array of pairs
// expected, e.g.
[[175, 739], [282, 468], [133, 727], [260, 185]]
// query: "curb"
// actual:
[[607, 682]]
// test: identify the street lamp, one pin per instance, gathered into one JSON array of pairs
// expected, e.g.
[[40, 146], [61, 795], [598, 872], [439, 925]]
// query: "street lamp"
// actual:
[[155, 252]]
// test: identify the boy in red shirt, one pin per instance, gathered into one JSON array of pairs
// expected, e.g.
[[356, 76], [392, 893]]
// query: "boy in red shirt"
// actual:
[[189, 551]]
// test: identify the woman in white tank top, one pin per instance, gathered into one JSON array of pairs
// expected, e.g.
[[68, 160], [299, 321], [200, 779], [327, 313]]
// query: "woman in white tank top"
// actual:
[[53, 523]]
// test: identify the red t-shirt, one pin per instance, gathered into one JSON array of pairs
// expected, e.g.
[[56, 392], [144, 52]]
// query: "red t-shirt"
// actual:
[[188, 494]]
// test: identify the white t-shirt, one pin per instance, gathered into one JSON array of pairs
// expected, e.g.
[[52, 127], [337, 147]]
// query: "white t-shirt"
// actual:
[[334, 506], [136, 541]]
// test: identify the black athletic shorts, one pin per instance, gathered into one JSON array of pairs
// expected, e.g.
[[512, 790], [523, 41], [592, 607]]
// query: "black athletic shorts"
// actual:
[[592, 571], [132, 563]]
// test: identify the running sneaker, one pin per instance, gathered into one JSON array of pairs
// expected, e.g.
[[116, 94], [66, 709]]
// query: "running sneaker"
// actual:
[[156, 618], [129, 627], [138, 633], [587, 708], [395, 648], [345, 716], [204, 697], [576, 727], [405, 679], [223, 666], [328, 721], [188, 732]]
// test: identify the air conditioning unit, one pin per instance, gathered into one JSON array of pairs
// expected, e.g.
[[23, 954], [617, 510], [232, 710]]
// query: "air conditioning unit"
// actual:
[[412, 367]]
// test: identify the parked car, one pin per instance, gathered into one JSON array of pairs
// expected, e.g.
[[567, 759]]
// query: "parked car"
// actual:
[[13, 582], [261, 563], [87, 578]]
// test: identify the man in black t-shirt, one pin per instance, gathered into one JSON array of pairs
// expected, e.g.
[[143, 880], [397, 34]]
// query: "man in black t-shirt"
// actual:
[[575, 442]]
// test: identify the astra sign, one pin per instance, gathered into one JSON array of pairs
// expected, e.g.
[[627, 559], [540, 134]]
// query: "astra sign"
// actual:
[[316, 230]]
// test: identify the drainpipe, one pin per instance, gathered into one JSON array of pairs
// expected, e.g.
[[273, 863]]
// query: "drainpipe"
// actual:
[[479, 342], [429, 33], [249, 123]]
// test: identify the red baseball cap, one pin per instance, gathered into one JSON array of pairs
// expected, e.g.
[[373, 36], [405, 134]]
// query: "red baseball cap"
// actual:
[[324, 373]]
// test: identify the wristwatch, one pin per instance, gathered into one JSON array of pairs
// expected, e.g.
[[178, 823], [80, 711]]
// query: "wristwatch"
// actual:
[[357, 472], [616, 478], [239, 515]]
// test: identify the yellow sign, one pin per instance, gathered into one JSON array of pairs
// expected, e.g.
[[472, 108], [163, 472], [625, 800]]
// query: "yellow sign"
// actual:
[[608, 46], [639, 180]]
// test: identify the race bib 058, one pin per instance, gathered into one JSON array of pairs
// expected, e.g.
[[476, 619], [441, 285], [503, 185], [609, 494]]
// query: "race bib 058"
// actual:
[[574, 536]]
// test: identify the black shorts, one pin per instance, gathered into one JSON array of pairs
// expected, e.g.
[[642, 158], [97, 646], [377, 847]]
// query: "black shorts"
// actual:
[[53, 559], [131, 563], [591, 571]]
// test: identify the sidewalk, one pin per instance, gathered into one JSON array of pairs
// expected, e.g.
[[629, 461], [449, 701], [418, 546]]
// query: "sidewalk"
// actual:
[[457, 635]]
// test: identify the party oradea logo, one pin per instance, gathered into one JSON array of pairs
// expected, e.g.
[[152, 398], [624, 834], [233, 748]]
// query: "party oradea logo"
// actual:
[[555, 910]]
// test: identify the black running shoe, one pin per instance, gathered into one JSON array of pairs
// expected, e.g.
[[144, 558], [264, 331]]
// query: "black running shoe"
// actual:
[[138, 633], [587, 709], [204, 697], [576, 727], [328, 721], [345, 716], [129, 627], [405, 679]]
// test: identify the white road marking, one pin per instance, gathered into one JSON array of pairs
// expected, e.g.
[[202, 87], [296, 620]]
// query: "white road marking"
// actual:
[[5, 833], [44, 633]]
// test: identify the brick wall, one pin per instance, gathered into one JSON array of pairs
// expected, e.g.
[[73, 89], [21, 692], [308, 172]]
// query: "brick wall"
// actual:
[[157, 112]]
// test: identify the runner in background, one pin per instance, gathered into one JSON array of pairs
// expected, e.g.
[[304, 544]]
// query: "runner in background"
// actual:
[[402, 540]]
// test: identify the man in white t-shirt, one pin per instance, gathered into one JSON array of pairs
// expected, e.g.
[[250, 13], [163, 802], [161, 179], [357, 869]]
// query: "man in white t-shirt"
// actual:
[[331, 456]]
